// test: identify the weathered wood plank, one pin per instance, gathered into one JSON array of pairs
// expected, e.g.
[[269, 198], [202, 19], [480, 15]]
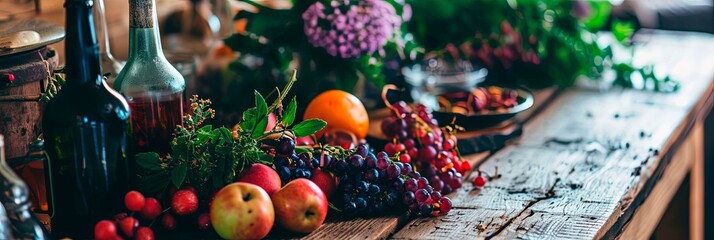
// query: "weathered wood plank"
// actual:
[[591, 158], [647, 216]]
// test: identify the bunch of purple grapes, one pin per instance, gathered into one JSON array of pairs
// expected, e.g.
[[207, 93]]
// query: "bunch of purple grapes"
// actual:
[[374, 183], [291, 166], [417, 139]]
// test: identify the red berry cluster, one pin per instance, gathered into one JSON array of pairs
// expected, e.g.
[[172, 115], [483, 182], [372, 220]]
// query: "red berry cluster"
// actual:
[[415, 135], [183, 203], [128, 226]]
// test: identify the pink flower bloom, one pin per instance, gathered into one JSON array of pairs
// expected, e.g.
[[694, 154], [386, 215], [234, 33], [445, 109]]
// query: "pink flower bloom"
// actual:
[[363, 28]]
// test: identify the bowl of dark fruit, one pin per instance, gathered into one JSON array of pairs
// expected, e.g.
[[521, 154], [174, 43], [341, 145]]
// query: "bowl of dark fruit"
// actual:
[[482, 107]]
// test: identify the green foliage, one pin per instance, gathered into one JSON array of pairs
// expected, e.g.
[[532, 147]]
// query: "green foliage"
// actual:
[[209, 158]]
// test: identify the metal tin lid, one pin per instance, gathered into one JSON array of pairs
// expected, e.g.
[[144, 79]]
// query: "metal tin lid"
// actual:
[[48, 33]]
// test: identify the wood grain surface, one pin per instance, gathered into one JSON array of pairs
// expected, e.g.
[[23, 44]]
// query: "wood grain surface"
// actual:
[[590, 159]]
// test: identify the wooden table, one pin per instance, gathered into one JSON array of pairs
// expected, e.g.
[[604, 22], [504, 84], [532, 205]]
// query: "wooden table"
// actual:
[[591, 164]]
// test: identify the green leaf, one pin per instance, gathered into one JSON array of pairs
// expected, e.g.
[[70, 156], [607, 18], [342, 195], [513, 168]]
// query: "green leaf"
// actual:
[[622, 30], [148, 161], [261, 108], [154, 183], [309, 127], [205, 133], [178, 174], [248, 119], [334, 207], [289, 115], [264, 158]]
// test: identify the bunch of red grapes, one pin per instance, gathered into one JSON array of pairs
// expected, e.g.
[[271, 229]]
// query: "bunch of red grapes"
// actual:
[[414, 135], [372, 183]]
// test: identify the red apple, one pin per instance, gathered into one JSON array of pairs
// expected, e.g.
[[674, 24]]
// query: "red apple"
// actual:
[[242, 211], [263, 176], [324, 180], [300, 206]]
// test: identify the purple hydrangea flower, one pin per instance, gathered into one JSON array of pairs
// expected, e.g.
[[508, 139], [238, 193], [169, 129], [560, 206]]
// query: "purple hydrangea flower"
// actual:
[[349, 30]]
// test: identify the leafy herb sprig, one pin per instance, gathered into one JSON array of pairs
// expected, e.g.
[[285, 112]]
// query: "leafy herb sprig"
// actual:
[[209, 158]]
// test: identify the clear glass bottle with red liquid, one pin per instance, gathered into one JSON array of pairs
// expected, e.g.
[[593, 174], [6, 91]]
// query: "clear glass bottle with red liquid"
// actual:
[[152, 86]]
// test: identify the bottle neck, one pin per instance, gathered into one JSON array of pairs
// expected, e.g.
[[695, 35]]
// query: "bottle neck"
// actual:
[[144, 36], [82, 52]]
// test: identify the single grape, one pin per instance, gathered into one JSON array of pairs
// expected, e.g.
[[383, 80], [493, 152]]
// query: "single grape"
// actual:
[[456, 183], [314, 163], [446, 189], [445, 205], [350, 207], [427, 153], [437, 185], [435, 195], [362, 186], [398, 184], [390, 148], [427, 139], [382, 163], [399, 125], [399, 147], [411, 185], [326, 160], [341, 165], [409, 143], [448, 144], [434, 178], [405, 158], [356, 161], [406, 169], [428, 189], [402, 134], [408, 198], [413, 153], [360, 203], [428, 171], [281, 161], [414, 174], [393, 171], [382, 155], [479, 181], [284, 173], [362, 150], [422, 182], [370, 160], [286, 146], [371, 175], [387, 126], [300, 163], [425, 209], [374, 189], [421, 195]]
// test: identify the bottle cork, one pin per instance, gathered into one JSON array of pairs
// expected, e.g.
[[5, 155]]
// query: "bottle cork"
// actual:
[[141, 13]]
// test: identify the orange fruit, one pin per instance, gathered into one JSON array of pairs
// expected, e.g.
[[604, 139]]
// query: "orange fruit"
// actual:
[[341, 110]]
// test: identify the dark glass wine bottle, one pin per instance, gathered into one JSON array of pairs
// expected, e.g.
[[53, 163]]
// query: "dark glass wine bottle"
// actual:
[[152, 86], [85, 129]]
